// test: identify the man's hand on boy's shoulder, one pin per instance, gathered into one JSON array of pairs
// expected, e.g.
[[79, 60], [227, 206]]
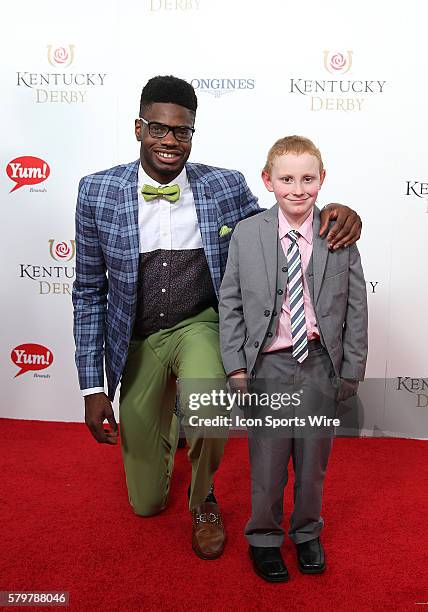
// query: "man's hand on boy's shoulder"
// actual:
[[347, 227]]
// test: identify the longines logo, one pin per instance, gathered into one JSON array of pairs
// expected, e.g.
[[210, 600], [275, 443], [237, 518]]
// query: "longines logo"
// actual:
[[60, 87], [174, 5], [28, 170], [53, 280], [415, 386], [219, 87], [336, 94]]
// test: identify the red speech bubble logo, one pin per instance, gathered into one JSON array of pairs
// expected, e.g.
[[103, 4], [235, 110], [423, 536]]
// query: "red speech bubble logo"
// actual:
[[31, 357], [27, 170]]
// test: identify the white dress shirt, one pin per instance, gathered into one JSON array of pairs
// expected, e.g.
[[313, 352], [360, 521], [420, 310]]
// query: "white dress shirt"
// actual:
[[168, 225]]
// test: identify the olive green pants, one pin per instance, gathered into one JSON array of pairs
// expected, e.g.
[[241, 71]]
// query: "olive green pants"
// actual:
[[149, 429]]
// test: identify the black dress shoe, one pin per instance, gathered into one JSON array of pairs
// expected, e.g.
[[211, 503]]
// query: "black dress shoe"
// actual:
[[310, 557], [268, 563]]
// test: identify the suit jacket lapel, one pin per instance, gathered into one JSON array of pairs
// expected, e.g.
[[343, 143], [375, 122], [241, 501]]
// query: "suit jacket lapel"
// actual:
[[319, 254], [206, 211], [128, 218], [269, 243]]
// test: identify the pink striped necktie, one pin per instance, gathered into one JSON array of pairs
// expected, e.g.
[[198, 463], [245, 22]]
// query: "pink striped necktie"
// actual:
[[299, 334]]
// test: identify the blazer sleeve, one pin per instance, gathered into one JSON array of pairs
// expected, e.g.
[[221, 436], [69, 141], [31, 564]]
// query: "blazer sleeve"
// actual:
[[232, 323], [89, 296], [249, 204], [355, 333]]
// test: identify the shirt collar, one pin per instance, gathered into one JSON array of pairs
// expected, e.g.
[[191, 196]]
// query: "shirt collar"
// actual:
[[145, 179], [305, 230]]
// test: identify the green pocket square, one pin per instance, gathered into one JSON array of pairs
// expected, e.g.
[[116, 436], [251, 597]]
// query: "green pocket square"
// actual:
[[224, 230]]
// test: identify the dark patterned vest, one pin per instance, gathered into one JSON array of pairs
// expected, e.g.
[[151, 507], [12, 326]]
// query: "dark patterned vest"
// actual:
[[172, 286]]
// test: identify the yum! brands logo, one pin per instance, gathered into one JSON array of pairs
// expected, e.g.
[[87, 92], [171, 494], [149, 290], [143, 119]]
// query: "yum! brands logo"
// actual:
[[27, 170], [337, 92], [31, 357]]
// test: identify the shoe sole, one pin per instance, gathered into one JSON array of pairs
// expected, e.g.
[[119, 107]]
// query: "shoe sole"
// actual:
[[265, 578], [312, 571]]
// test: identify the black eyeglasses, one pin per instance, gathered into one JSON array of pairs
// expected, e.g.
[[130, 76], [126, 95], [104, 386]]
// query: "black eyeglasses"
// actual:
[[182, 133]]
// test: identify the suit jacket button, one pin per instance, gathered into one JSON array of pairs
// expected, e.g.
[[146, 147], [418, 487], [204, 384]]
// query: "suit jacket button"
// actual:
[[284, 269], [274, 313], [280, 292], [269, 334], [256, 344], [267, 313]]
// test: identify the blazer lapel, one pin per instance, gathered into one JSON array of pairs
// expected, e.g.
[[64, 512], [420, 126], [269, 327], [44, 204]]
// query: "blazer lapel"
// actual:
[[269, 245], [128, 218], [319, 254], [206, 211]]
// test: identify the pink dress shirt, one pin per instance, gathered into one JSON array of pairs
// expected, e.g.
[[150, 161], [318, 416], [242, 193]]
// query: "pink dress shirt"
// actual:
[[282, 338]]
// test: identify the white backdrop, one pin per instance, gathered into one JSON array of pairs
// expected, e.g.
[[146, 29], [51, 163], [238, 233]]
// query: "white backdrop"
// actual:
[[71, 81]]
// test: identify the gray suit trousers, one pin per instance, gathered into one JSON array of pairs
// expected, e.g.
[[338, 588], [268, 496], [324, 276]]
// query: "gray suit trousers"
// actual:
[[309, 446]]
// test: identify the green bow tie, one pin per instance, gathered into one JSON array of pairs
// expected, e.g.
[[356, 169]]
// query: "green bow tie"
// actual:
[[170, 193]]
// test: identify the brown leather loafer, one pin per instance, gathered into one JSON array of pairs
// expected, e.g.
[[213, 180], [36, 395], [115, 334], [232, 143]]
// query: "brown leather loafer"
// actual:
[[209, 535]]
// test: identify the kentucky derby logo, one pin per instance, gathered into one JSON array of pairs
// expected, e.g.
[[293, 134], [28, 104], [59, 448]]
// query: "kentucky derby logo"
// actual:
[[417, 386], [56, 277], [61, 85], [417, 188], [60, 56], [62, 251], [337, 62], [336, 91]]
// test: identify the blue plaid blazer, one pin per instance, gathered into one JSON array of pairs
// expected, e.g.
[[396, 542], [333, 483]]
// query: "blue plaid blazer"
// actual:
[[107, 257]]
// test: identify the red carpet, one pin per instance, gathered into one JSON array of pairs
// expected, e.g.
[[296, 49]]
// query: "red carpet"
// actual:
[[66, 525]]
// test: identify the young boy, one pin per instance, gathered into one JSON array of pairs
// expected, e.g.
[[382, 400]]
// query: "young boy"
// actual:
[[293, 312]]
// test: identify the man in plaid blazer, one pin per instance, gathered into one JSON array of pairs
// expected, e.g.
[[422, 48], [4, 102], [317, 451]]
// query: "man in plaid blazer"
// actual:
[[152, 239]]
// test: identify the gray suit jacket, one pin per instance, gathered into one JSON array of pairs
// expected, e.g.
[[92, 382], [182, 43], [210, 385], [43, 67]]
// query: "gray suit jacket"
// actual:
[[248, 291]]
